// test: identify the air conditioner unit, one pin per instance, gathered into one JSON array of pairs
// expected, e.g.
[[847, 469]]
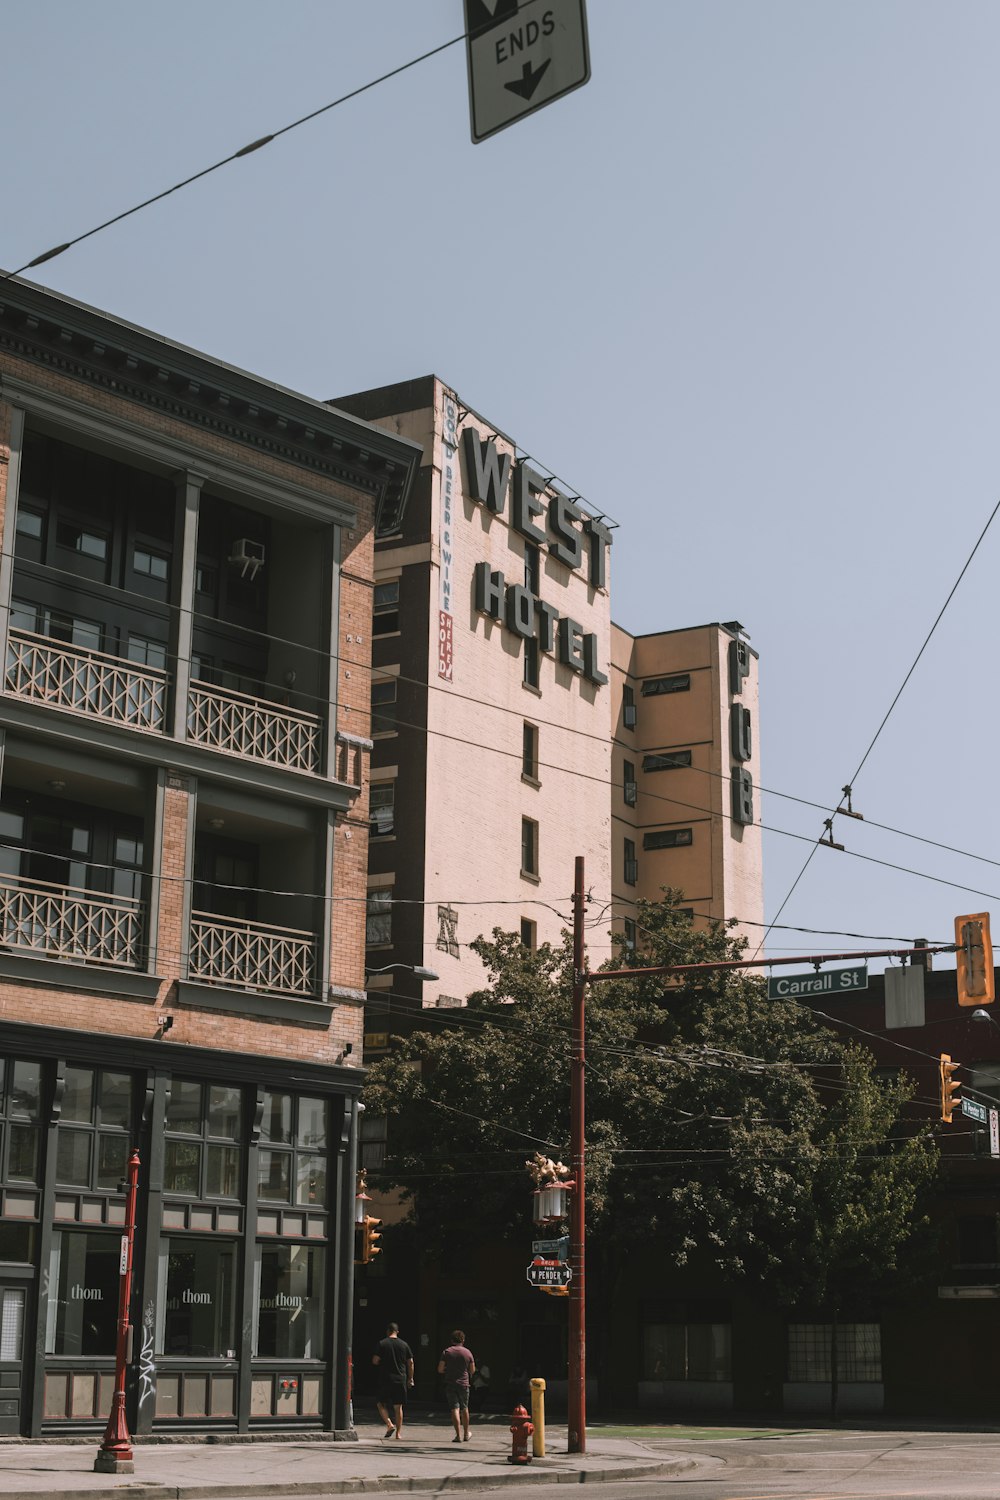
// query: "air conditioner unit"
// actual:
[[247, 555], [631, 793]]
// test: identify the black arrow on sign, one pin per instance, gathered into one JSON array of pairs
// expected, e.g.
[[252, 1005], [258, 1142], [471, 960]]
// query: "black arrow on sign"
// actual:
[[528, 81]]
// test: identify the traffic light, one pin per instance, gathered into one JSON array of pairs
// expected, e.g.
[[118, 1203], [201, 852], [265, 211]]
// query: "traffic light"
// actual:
[[950, 1087], [370, 1247], [975, 960]]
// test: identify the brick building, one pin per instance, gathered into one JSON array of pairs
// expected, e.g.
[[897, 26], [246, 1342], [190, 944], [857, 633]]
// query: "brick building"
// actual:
[[185, 607]]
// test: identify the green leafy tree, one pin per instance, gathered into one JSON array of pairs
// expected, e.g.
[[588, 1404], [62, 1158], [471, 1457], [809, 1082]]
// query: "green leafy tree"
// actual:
[[741, 1132]]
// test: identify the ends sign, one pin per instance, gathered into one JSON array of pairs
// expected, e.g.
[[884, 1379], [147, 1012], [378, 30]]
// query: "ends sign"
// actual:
[[522, 54]]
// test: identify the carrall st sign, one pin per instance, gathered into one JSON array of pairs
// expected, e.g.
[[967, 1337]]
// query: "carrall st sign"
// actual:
[[552, 521]]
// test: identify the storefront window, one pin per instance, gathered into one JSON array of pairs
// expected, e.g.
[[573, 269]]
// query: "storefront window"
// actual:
[[290, 1318], [294, 1160], [197, 1299], [21, 1094], [208, 1166], [82, 1313], [94, 1120]]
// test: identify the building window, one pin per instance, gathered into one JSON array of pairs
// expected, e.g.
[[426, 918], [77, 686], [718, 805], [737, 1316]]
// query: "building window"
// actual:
[[529, 933], [669, 760], [630, 790], [631, 863], [385, 618], [631, 933], [290, 1321], [204, 1126], [529, 752], [81, 1315], [654, 687], [384, 705], [687, 1351], [94, 1129], [382, 808], [378, 920], [628, 706], [532, 568], [529, 846], [859, 1352], [668, 838], [150, 564], [197, 1298], [78, 539], [20, 1091], [530, 649], [293, 1150], [147, 653]]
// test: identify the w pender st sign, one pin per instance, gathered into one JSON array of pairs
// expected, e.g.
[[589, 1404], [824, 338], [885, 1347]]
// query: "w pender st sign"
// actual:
[[522, 54]]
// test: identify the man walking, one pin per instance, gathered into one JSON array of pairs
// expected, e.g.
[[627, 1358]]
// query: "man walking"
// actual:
[[394, 1359], [457, 1366]]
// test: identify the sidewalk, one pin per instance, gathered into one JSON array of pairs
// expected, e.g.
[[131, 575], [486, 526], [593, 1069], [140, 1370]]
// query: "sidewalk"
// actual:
[[424, 1459]]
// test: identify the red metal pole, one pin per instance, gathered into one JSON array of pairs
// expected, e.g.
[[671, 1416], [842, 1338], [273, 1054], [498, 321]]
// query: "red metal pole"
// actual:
[[115, 1453], [577, 1310]]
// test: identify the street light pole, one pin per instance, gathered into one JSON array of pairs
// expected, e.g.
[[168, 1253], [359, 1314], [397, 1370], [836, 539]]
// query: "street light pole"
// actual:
[[114, 1456], [577, 1309]]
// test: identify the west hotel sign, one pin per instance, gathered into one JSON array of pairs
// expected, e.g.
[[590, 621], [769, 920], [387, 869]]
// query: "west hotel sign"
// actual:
[[554, 522]]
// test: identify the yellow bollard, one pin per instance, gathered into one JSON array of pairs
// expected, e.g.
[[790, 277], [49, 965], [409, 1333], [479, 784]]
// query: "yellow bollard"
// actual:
[[538, 1416]]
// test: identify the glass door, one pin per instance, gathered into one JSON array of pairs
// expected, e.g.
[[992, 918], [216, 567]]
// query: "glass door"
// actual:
[[14, 1301]]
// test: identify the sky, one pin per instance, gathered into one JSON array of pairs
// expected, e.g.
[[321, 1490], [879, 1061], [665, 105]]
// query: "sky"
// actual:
[[739, 291]]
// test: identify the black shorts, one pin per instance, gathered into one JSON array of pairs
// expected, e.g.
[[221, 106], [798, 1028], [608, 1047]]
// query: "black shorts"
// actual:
[[392, 1393]]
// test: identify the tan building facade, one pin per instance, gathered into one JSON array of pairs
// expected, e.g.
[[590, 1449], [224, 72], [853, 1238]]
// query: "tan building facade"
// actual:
[[185, 607]]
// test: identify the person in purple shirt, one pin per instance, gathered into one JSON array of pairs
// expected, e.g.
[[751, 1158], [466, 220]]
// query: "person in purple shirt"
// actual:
[[457, 1366]]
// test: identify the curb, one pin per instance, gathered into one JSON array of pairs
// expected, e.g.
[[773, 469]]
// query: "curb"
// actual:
[[384, 1484]]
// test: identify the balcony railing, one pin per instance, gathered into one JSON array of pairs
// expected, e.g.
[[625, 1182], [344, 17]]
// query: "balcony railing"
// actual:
[[235, 722], [252, 955], [64, 922], [85, 681]]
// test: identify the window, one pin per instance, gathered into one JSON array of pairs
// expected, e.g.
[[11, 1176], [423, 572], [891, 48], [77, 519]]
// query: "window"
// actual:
[[81, 1316], [20, 1094], [532, 568], [631, 863], [381, 808], [148, 653], [529, 933], [79, 539], [150, 564], [378, 921], [385, 617], [291, 1163], [859, 1351], [384, 705], [630, 790], [529, 847], [289, 1320], [29, 534], [204, 1127], [631, 934], [72, 629], [654, 687], [530, 649], [197, 1298], [668, 838], [94, 1129], [529, 752], [669, 760], [628, 706], [687, 1351]]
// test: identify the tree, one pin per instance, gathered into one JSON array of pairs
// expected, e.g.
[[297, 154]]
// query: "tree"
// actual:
[[737, 1129]]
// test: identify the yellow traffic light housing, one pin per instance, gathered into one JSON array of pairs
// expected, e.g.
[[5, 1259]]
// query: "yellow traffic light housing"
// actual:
[[370, 1245], [974, 972], [951, 1098]]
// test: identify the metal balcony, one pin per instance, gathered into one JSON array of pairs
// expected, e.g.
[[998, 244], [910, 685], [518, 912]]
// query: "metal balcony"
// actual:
[[253, 727], [65, 922], [252, 955], [85, 681]]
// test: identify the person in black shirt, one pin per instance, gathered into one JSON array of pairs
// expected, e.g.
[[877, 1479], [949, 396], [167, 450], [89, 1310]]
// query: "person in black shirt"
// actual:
[[394, 1359]]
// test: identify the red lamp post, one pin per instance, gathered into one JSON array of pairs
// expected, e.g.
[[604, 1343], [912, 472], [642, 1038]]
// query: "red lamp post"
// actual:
[[114, 1456]]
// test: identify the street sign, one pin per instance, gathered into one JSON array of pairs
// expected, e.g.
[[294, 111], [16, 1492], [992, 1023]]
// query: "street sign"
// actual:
[[974, 1111], [551, 1249], [522, 54], [549, 1273], [994, 1132], [829, 982]]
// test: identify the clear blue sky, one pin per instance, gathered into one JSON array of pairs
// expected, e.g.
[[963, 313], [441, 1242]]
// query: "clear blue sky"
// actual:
[[740, 291]]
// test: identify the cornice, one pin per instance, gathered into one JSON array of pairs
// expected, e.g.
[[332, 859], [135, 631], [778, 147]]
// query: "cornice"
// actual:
[[121, 359]]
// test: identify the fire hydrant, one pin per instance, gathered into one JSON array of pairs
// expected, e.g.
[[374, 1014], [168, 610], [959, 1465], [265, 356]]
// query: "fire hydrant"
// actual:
[[521, 1428]]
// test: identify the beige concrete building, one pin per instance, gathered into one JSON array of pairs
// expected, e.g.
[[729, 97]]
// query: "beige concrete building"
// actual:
[[515, 727]]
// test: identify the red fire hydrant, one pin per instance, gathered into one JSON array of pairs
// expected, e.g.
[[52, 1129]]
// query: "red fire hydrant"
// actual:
[[521, 1428]]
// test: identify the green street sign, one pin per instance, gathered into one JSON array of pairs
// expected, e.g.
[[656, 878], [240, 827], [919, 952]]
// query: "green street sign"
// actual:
[[829, 982]]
